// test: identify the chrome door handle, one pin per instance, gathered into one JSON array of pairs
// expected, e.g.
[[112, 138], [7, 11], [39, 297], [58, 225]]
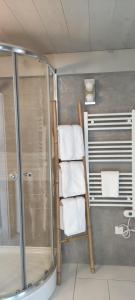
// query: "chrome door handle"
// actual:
[[27, 174], [13, 176]]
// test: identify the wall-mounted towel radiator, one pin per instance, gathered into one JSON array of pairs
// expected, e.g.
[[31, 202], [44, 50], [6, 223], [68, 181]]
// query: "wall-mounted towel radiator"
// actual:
[[106, 151]]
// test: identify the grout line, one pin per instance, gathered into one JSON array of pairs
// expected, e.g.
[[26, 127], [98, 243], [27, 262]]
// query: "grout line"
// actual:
[[75, 281], [90, 278], [108, 290], [112, 279], [124, 280]]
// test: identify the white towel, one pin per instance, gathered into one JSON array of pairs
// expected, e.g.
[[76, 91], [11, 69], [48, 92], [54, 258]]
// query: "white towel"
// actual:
[[60, 182], [73, 217], [110, 183], [61, 218], [78, 142], [70, 142], [72, 181]]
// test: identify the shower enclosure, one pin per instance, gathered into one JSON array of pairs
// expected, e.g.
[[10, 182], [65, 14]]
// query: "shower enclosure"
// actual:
[[26, 190]]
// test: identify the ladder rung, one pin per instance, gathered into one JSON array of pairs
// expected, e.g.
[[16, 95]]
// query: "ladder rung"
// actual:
[[74, 237]]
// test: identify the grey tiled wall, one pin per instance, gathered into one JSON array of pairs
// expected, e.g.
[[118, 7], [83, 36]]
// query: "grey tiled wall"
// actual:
[[115, 92]]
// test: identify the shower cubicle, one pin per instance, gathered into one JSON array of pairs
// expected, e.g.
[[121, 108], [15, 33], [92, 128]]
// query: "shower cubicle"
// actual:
[[26, 192]]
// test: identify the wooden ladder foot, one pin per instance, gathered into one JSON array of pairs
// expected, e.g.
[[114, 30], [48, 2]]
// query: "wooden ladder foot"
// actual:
[[58, 278], [92, 269]]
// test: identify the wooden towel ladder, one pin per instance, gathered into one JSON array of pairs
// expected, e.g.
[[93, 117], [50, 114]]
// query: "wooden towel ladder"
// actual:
[[88, 234]]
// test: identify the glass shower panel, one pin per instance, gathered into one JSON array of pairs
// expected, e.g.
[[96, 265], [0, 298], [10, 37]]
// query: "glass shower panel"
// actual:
[[10, 258], [36, 166]]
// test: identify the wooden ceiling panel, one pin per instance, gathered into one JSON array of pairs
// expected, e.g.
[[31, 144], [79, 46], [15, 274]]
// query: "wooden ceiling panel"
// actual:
[[123, 26], [11, 29], [25, 12], [52, 16], [112, 24], [101, 19], [77, 17], [54, 26]]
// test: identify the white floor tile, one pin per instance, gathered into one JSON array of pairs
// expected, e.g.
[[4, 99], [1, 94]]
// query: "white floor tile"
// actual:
[[91, 289], [66, 290], [107, 272], [122, 290]]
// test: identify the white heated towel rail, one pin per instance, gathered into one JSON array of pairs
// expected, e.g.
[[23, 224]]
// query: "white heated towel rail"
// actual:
[[117, 151]]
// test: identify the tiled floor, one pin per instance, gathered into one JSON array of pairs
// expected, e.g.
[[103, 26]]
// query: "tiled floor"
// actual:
[[108, 283]]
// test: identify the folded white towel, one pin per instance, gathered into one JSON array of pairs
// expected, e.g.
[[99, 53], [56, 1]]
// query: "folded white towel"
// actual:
[[65, 142], [110, 183], [60, 182], [78, 142], [72, 181], [70, 142], [73, 215], [61, 218]]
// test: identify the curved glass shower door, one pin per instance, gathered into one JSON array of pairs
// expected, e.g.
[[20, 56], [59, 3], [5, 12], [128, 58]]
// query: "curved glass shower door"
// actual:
[[10, 250], [26, 231], [36, 165]]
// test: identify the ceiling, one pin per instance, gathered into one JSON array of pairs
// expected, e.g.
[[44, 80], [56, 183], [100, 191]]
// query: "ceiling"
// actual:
[[55, 26]]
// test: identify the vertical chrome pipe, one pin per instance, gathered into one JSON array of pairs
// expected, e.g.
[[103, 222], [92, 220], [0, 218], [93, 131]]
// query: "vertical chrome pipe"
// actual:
[[50, 162], [19, 170]]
